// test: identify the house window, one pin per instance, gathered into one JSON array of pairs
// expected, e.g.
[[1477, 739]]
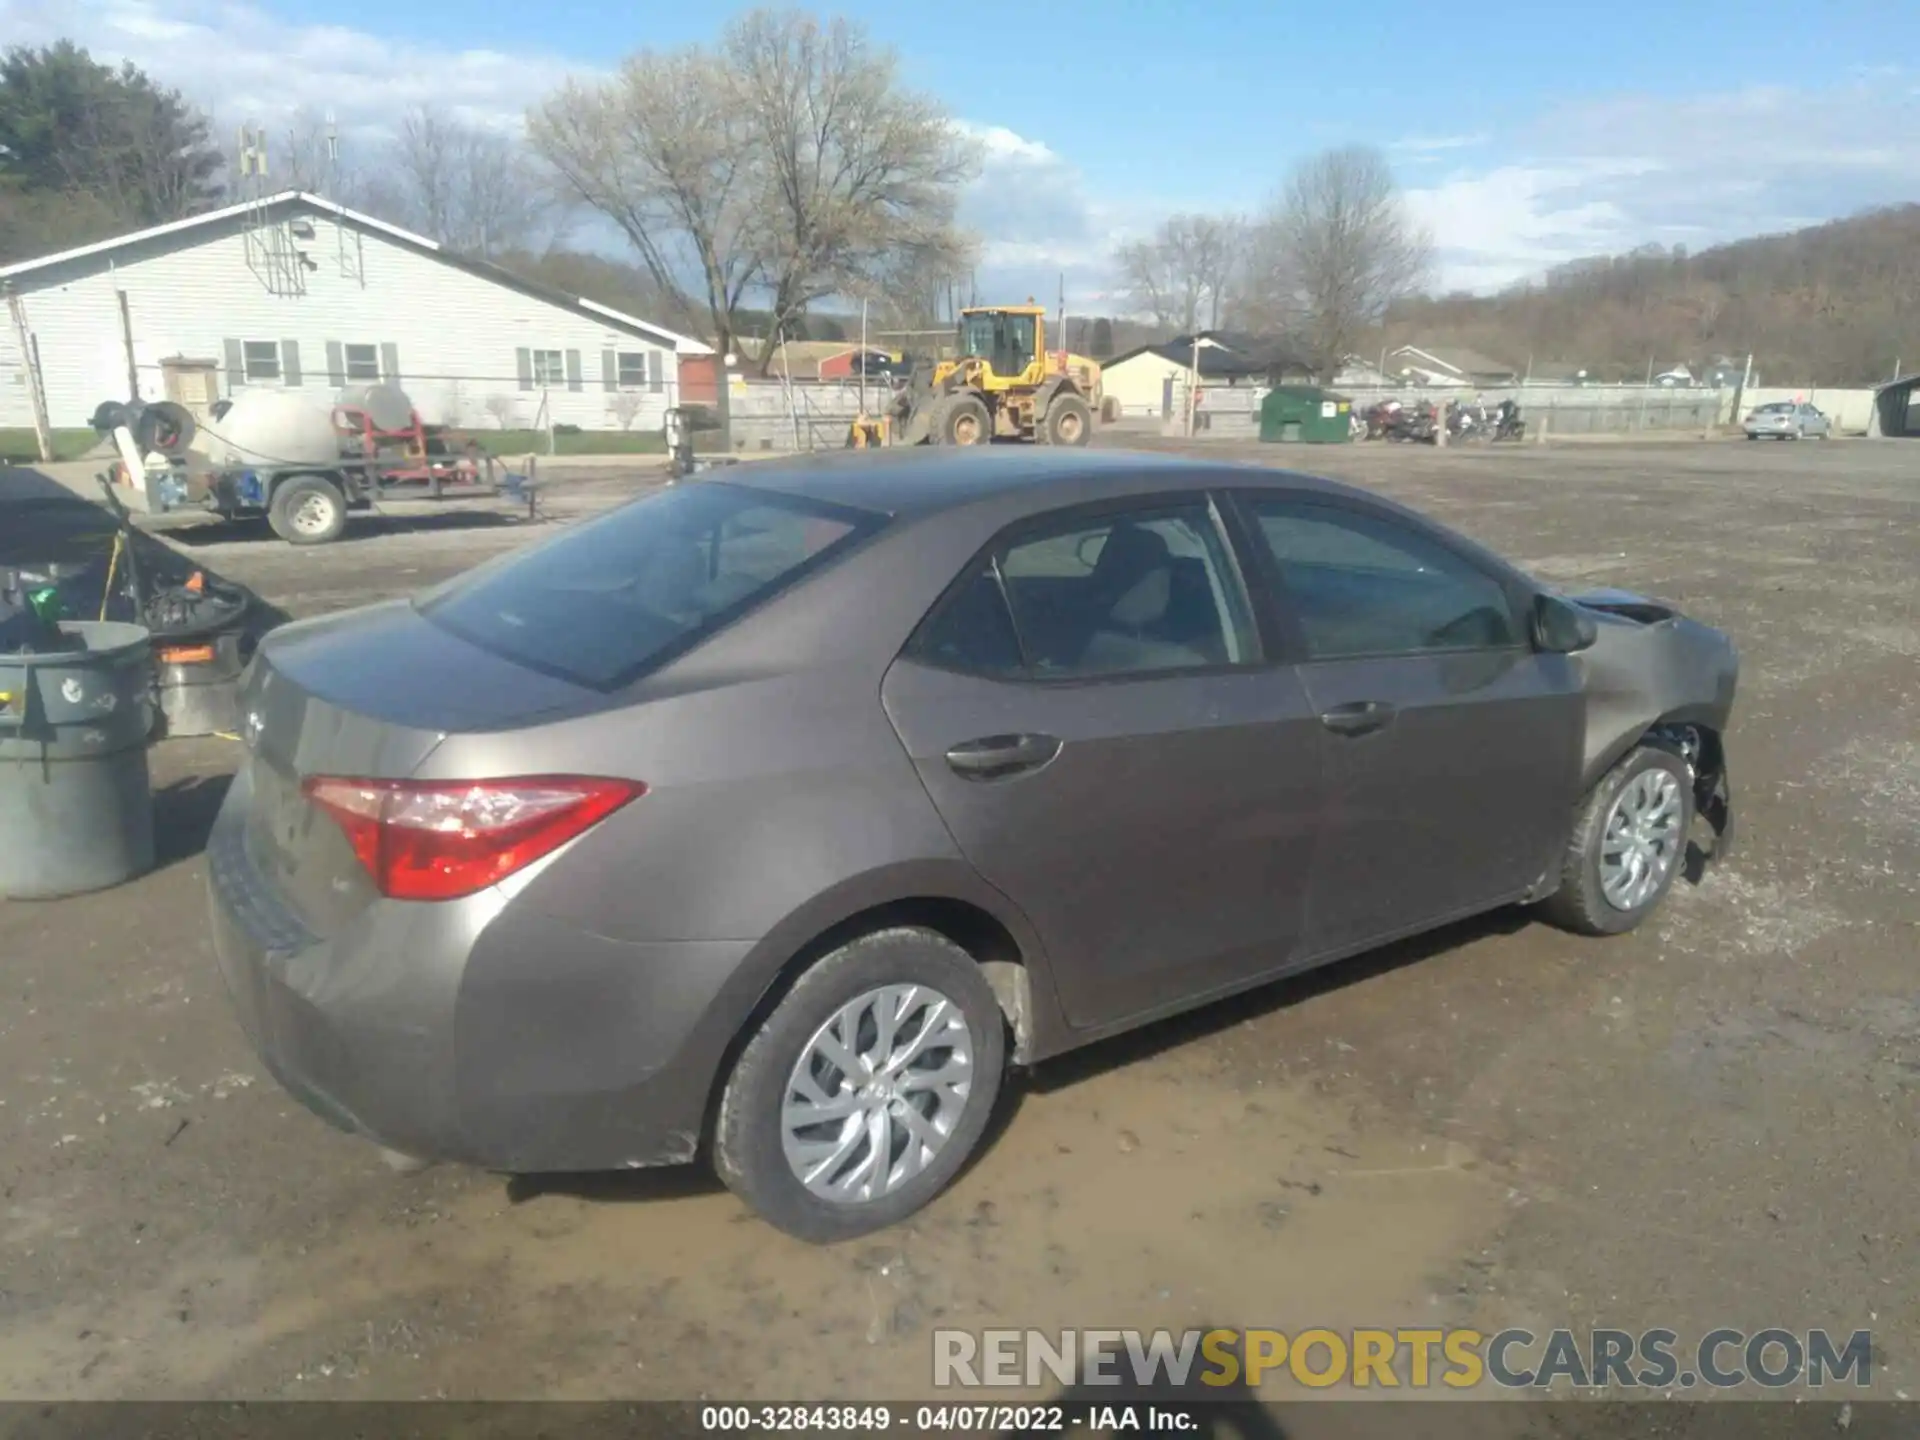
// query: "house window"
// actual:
[[363, 362], [261, 359], [549, 367], [633, 369]]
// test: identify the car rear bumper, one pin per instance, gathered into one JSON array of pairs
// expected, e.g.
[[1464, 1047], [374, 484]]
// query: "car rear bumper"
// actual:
[[472, 1032]]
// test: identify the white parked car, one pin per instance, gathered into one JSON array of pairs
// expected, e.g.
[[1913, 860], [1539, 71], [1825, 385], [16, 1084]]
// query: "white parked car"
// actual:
[[1788, 420]]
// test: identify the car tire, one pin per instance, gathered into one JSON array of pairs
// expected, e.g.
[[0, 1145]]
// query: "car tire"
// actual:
[[1582, 904], [308, 510], [751, 1143]]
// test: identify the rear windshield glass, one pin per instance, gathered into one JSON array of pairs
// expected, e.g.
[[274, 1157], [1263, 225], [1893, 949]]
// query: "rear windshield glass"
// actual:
[[599, 604]]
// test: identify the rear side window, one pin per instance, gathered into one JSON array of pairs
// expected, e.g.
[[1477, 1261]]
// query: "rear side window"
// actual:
[[1113, 596], [972, 631], [600, 603]]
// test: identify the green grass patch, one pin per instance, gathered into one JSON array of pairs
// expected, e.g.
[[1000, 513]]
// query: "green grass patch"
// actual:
[[570, 442], [18, 447]]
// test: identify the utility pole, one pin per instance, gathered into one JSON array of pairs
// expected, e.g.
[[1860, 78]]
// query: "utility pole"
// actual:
[[1740, 395], [1193, 386], [863, 359], [1063, 318], [30, 363], [126, 339]]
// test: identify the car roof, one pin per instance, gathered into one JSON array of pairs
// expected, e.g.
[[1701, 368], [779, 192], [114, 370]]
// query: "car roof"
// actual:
[[920, 481]]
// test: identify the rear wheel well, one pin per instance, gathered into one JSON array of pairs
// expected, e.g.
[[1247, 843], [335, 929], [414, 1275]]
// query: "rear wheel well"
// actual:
[[973, 929]]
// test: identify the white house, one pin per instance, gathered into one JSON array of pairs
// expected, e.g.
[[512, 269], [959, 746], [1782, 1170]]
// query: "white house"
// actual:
[[298, 292], [1135, 383], [1142, 380]]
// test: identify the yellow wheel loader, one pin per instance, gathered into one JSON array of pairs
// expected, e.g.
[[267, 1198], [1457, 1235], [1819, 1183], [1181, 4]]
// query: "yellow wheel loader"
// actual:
[[1003, 383]]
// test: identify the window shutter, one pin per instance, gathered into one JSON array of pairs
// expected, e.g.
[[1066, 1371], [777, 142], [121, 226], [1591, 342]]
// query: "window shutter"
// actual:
[[574, 381], [336, 365], [236, 366], [390, 363], [656, 362], [610, 370], [289, 362], [523, 358]]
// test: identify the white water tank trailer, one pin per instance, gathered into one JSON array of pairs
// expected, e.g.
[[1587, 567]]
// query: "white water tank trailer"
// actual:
[[272, 429]]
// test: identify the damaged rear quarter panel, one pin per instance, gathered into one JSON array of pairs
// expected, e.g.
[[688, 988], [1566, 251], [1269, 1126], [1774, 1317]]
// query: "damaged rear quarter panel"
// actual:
[[1674, 669]]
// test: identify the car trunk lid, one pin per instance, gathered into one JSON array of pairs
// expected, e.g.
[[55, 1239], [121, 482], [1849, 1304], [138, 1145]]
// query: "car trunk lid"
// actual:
[[368, 695]]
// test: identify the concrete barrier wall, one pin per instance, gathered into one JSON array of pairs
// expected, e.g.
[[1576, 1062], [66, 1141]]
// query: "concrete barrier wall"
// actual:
[[815, 415], [1234, 413], [812, 415]]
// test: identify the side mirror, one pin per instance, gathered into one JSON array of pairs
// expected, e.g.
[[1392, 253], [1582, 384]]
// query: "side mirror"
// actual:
[[1562, 628]]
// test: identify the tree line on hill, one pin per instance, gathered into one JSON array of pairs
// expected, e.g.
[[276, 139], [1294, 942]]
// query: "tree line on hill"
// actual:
[[1834, 304]]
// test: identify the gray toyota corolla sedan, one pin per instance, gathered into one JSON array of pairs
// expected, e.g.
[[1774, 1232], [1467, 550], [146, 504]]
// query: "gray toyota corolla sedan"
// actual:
[[776, 816]]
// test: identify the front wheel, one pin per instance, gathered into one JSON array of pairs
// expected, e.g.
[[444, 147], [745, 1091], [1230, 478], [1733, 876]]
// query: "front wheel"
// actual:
[[308, 510], [965, 421], [1629, 841], [864, 1092]]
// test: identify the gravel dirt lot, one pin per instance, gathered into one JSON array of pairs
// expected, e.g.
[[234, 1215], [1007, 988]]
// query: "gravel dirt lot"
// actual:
[[1710, 1122]]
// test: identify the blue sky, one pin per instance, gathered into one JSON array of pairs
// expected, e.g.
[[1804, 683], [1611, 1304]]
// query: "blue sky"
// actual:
[[1521, 140]]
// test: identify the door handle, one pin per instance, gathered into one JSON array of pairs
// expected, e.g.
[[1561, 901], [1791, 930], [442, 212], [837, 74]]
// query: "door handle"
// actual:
[[997, 756], [1362, 717]]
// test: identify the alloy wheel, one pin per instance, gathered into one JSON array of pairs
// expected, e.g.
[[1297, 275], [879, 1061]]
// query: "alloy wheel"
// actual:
[[876, 1093], [1642, 839]]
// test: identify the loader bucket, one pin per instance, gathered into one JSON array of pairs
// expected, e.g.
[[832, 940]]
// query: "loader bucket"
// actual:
[[918, 429]]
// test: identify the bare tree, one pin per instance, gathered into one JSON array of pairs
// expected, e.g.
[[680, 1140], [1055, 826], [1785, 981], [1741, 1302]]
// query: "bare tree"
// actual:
[[471, 189], [1180, 273], [1332, 251], [660, 151], [855, 169], [788, 165], [625, 408], [910, 290]]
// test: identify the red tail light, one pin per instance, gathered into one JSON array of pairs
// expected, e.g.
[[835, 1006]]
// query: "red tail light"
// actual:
[[441, 840]]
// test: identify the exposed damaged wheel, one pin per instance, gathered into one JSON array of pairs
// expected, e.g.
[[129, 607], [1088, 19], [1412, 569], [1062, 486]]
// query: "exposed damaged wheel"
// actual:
[[865, 1090], [1629, 841]]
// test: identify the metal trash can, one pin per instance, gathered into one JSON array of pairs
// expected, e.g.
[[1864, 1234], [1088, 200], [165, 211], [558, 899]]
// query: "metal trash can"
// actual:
[[76, 809], [199, 684]]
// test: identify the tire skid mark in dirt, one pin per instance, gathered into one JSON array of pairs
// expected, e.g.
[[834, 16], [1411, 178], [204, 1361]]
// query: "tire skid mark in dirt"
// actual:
[[1151, 1196]]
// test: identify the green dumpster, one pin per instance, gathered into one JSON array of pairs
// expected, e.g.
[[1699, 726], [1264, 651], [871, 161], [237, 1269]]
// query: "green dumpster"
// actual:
[[1305, 415]]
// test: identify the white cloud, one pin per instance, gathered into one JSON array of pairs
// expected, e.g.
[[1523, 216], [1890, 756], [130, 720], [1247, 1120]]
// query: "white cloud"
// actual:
[[1605, 176], [1037, 221], [241, 62], [1423, 145]]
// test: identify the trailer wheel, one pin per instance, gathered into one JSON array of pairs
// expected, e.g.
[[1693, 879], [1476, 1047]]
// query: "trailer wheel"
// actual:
[[308, 510]]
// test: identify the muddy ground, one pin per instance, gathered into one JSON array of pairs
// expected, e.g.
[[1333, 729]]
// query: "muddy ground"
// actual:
[[1710, 1122]]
